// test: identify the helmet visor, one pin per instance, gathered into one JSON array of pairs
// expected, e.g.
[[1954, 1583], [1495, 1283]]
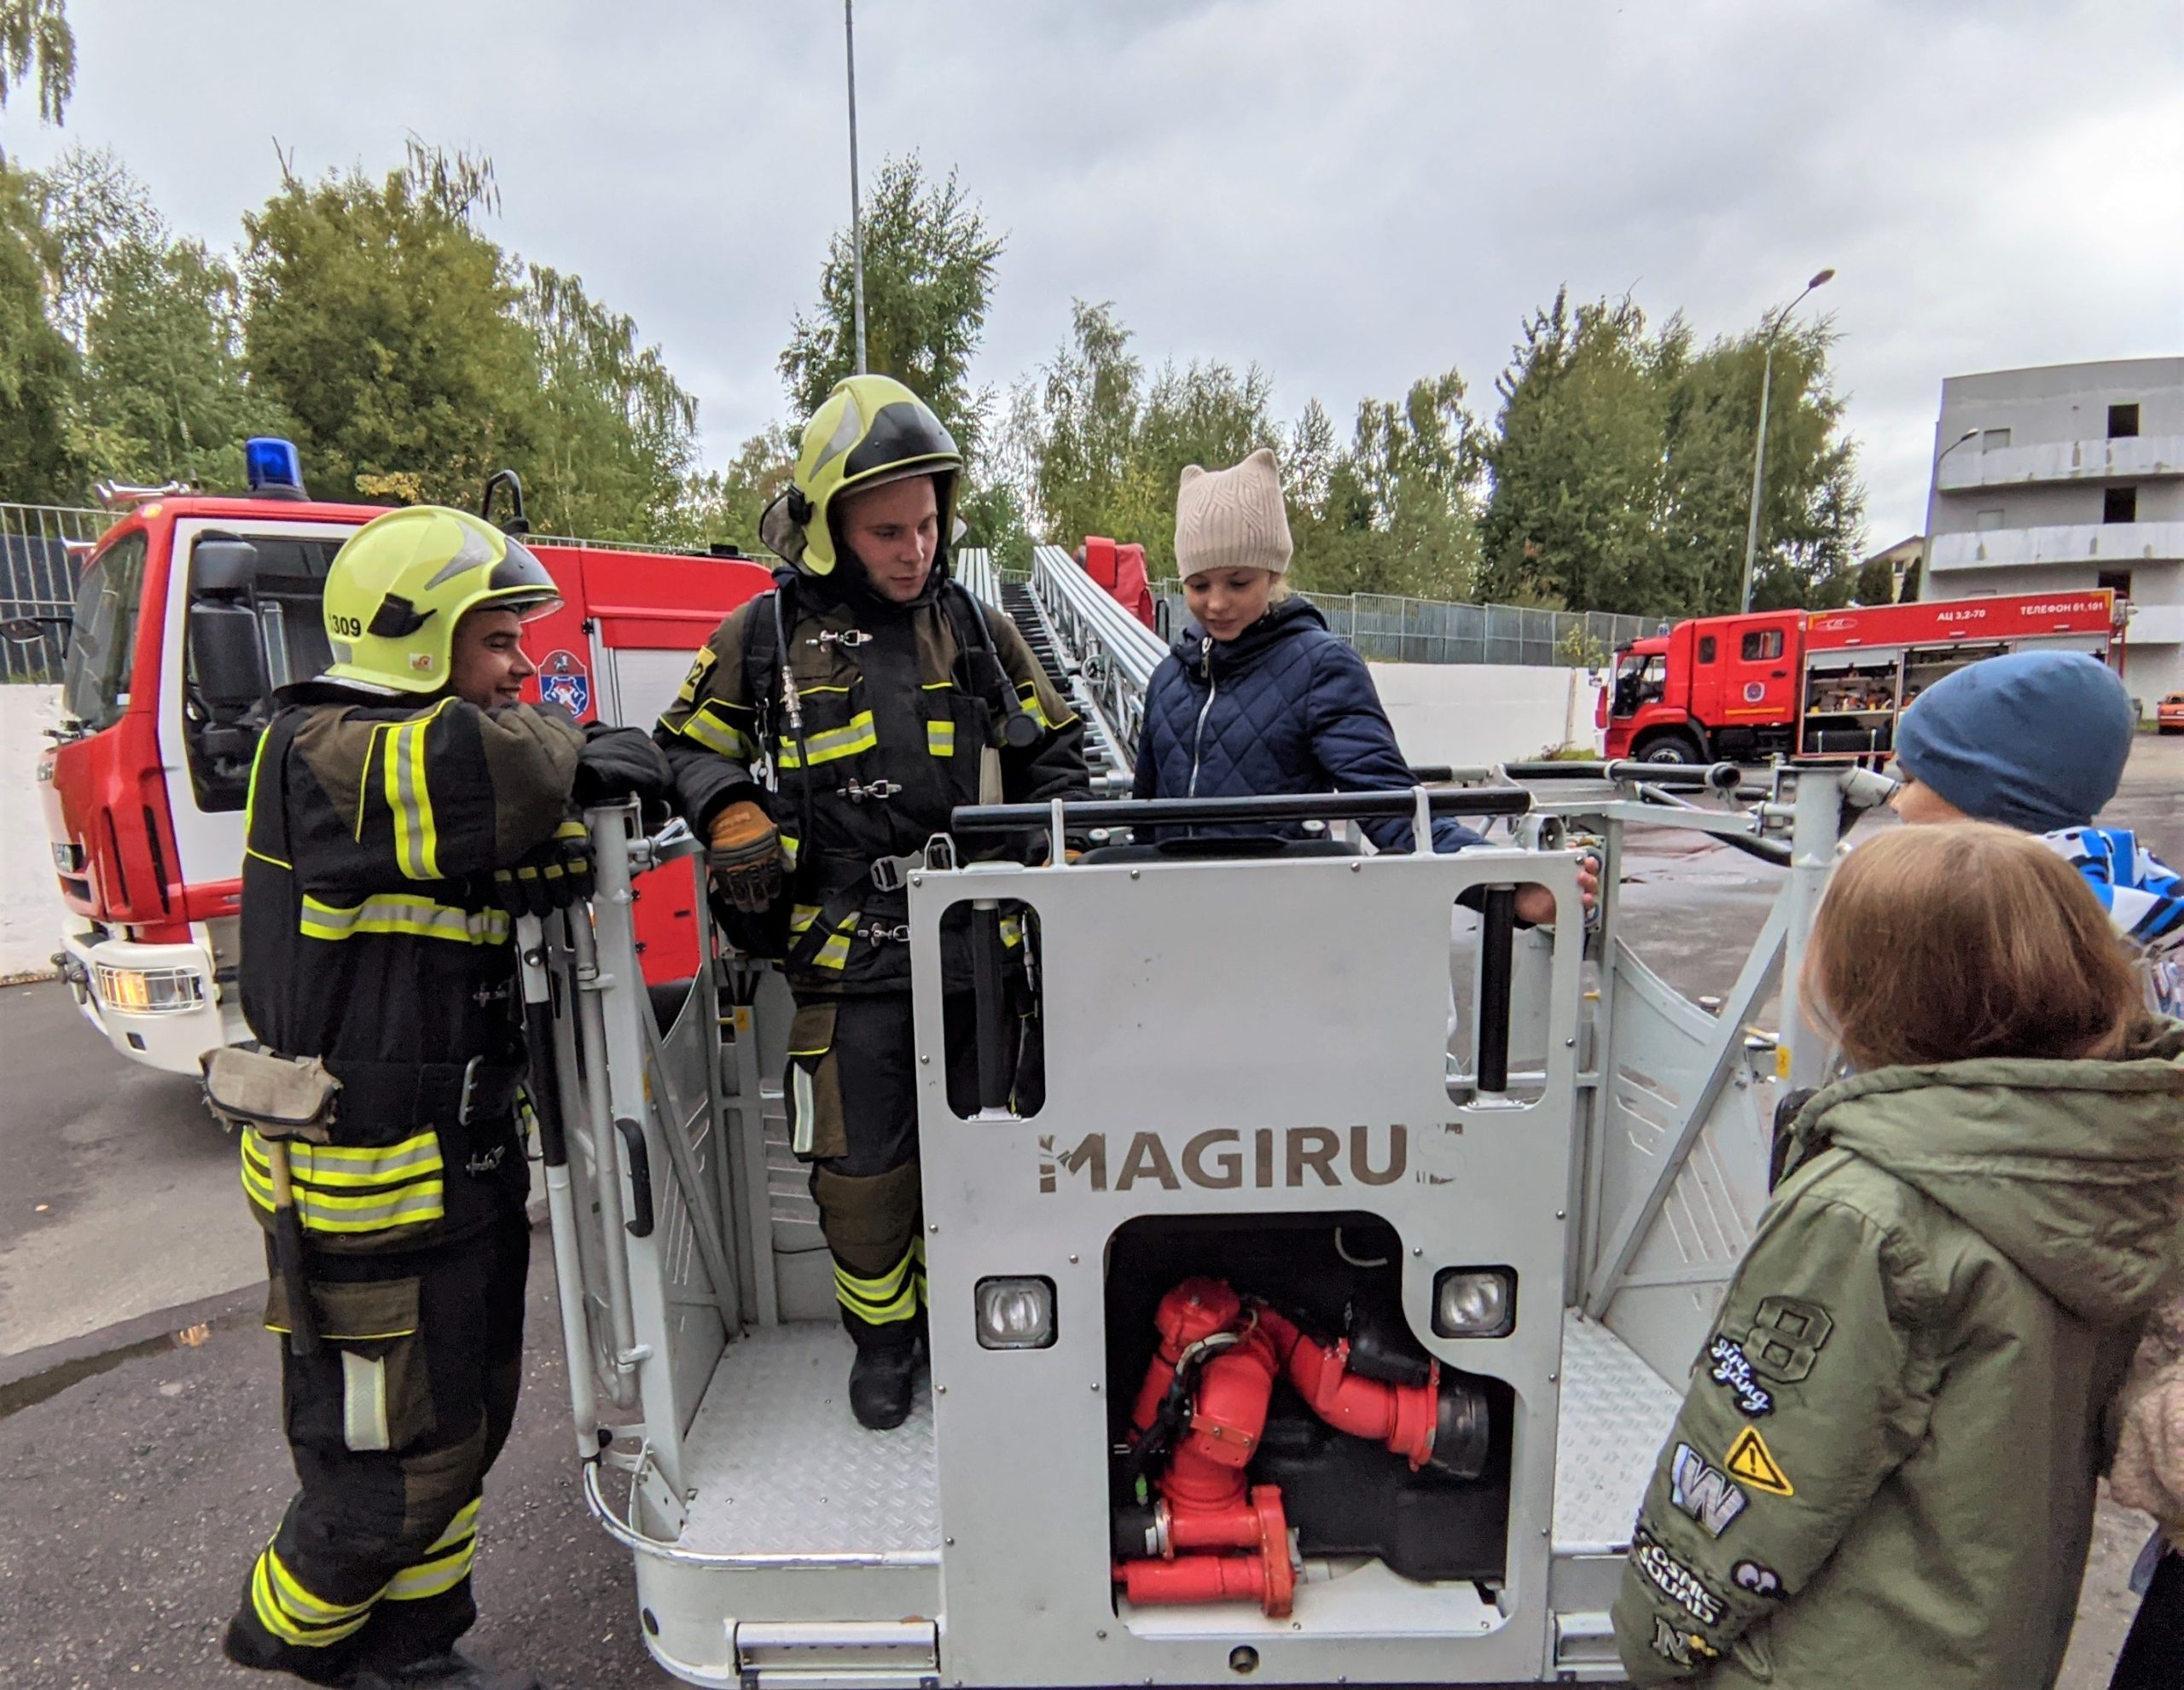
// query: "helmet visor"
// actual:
[[520, 582]]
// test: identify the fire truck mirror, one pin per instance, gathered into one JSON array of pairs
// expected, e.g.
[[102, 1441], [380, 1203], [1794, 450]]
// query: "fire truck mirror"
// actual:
[[222, 569], [227, 663], [24, 629]]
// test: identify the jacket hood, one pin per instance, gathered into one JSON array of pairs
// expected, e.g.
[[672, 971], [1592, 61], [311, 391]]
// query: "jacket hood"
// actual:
[[2073, 1170], [1291, 617]]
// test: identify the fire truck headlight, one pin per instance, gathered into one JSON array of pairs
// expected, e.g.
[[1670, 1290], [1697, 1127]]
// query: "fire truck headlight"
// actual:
[[1016, 1314], [1475, 1302], [150, 991]]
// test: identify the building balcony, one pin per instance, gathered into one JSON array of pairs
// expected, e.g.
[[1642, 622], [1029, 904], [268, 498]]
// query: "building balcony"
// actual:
[[2095, 545], [2138, 458]]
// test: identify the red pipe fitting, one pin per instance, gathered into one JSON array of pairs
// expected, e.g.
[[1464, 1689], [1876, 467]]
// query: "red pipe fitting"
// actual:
[[1401, 1416], [1267, 1575]]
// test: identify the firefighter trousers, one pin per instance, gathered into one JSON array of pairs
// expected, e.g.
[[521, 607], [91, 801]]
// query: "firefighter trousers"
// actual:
[[393, 1427], [853, 1102]]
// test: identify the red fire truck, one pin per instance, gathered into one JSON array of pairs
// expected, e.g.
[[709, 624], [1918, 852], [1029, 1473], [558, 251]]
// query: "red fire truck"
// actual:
[[1822, 684], [144, 786]]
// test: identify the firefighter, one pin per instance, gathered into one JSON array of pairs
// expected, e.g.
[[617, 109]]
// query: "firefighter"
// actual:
[[401, 807], [882, 695]]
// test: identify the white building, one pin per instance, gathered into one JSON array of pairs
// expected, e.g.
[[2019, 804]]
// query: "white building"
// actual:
[[2066, 478]]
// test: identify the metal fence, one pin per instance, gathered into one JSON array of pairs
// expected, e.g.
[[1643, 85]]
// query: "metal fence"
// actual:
[[42, 551], [1382, 628]]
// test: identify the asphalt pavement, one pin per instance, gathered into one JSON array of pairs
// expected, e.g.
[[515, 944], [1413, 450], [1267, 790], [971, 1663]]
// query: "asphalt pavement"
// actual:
[[141, 1464]]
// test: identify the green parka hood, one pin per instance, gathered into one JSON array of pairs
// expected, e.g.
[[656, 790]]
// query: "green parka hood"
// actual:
[[2071, 1169]]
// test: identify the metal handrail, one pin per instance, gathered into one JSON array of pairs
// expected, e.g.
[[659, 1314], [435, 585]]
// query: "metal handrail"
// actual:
[[1116, 652]]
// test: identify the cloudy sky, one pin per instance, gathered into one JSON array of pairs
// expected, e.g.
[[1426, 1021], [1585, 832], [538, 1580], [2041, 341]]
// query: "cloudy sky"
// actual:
[[1352, 193]]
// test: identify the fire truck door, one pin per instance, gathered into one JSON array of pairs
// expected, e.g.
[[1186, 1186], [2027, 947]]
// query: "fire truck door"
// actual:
[[1758, 668]]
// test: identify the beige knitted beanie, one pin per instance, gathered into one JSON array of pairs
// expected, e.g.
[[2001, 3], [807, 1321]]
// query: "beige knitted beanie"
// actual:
[[1232, 518]]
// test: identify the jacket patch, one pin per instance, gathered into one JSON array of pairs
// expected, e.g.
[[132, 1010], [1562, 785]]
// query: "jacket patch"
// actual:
[[1751, 1460], [1788, 1334], [1703, 1491], [1759, 1580], [1731, 1368], [1674, 1580]]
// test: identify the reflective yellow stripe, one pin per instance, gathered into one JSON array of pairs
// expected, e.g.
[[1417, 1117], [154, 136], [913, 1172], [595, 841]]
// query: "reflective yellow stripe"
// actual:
[[710, 727], [833, 743], [296, 1616], [940, 738], [345, 1189], [892, 1295], [835, 952], [1012, 931], [1028, 692], [464, 1524], [431, 1578], [410, 800], [401, 913], [801, 916], [275, 861], [446, 1562]]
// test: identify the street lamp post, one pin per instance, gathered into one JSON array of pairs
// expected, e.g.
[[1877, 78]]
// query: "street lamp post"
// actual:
[[1759, 447], [856, 217]]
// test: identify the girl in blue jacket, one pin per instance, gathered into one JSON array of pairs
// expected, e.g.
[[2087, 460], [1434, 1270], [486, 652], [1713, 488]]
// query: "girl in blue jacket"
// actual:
[[1257, 698]]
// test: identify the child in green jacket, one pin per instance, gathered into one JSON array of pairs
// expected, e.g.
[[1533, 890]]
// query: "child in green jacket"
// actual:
[[1883, 1472]]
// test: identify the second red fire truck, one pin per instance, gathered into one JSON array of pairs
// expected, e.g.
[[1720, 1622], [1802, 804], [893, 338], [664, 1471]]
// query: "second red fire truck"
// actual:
[[1820, 683]]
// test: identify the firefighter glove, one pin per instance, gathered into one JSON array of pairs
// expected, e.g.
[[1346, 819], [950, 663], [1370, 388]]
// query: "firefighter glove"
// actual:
[[550, 876], [746, 859], [623, 763]]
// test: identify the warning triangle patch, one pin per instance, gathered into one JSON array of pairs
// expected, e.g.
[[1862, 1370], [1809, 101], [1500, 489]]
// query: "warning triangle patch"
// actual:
[[1751, 1460]]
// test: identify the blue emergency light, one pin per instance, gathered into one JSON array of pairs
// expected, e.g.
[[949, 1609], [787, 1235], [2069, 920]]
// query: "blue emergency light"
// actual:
[[274, 469]]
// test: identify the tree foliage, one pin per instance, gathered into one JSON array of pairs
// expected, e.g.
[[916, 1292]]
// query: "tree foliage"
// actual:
[[612, 433], [384, 322], [37, 44], [928, 276], [1621, 466], [39, 368]]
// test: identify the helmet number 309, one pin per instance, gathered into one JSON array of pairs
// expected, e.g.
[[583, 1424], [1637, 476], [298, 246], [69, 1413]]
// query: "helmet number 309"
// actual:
[[344, 627]]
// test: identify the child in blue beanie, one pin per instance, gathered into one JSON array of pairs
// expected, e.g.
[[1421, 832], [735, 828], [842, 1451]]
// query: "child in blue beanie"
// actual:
[[2037, 741]]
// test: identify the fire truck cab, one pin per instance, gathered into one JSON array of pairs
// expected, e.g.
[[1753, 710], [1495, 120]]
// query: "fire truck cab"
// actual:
[[189, 611], [1824, 684]]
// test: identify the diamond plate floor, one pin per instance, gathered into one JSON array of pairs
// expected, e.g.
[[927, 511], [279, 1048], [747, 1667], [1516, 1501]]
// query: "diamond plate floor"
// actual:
[[780, 1466], [1615, 1412]]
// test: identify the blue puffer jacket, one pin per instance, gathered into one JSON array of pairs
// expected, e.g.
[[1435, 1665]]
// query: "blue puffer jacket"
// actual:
[[1284, 707]]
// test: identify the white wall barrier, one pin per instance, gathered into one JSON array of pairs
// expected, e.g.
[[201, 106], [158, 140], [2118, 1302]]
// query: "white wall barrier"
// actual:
[[1469, 713], [31, 909]]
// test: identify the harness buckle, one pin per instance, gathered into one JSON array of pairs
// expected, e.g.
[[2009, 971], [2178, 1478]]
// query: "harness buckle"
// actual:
[[857, 793], [888, 873], [851, 637], [877, 934]]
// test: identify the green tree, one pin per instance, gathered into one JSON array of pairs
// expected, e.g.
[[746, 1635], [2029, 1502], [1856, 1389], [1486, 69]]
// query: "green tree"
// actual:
[[156, 321], [39, 366], [928, 278], [1622, 463], [36, 43], [386, 324], [612, 433], [1397, 511]]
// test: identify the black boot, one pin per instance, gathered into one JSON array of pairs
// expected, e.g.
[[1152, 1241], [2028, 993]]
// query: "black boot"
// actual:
[[882, 1376], [451, 1671]]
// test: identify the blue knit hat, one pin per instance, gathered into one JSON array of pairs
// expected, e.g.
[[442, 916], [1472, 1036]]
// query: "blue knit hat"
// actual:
[[2036, 741]]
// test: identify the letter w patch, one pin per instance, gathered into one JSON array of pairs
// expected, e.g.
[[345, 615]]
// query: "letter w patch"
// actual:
[[1703, 1491]]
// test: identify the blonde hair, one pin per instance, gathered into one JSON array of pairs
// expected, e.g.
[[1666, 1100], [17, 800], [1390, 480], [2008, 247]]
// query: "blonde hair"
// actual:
[[1967, 939], [1280, 590]]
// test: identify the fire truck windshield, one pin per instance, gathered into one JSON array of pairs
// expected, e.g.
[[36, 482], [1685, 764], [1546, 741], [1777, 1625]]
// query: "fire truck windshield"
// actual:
[[95, 684]]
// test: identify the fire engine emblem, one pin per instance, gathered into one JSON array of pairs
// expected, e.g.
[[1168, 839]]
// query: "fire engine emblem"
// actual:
[[562, 681], [1755, 692]]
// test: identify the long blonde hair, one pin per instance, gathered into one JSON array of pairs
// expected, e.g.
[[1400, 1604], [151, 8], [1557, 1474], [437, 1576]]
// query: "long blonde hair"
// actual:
[[1941, 943]]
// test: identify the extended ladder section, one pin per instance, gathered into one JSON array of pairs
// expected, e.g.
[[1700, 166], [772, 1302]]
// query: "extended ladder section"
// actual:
[[1097, 654]]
